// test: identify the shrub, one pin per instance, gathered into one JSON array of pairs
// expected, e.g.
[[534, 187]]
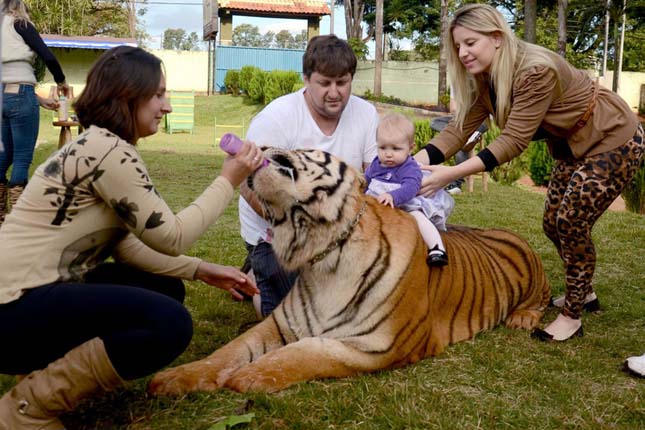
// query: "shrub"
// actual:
[[507, 173], [359, 47], [634, 193], [279, 83], [232, 82], [246, 73], [256, 86], [422, 133], [540, 163]]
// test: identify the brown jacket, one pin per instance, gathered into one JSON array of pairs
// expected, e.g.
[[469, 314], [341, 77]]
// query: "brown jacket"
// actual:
[[536, 104]]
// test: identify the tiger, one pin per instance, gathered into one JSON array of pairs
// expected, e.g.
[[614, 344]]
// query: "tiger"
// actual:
[[365, 299]]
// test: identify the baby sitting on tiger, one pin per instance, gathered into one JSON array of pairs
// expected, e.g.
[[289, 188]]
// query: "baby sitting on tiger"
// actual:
[[394, 178]]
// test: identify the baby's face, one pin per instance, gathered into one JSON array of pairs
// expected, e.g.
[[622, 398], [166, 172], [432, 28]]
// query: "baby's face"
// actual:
[[392, 150]]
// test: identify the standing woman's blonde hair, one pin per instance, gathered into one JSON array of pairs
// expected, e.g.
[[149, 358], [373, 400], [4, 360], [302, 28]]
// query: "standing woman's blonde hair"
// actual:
[[17, 9], [512, 56]]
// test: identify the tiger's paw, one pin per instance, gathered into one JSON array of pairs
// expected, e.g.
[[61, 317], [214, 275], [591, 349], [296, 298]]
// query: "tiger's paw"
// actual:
[[244, 381], [180, 380], [526, 319]]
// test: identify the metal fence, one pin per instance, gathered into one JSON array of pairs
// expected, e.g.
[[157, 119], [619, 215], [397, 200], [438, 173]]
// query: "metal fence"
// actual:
[[235, 57]]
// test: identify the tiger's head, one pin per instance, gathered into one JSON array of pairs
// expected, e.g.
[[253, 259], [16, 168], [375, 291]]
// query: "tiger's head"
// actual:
[[307, 196]]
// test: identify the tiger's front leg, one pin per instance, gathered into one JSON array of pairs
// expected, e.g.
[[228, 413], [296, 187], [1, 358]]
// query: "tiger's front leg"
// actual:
[[210, 373], [306, 359]]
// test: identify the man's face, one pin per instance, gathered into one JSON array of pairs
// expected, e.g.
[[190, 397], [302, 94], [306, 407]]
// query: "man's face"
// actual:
[[327, 96]]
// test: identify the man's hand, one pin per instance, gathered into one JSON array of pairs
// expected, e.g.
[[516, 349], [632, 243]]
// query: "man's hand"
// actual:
[[226, 278]]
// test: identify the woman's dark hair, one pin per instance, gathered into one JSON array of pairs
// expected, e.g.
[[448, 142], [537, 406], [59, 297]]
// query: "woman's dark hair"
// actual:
[[329, 56], [117, 83]]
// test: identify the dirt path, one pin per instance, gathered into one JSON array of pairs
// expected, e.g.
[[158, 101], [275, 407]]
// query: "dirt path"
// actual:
[[618, 204]]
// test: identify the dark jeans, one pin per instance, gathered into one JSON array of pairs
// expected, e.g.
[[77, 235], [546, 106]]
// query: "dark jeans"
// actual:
[[20, 122], [272, 280], [460, 157], [138, 315]]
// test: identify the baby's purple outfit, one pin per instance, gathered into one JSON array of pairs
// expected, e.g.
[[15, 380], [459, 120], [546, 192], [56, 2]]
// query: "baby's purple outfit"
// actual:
[[403, 183]]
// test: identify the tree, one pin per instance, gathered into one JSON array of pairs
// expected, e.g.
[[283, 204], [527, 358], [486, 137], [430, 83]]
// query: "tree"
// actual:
[[247, 35], [379, 48], [301, 40], [530, 12], [562, 27], [87, 17], [284, 39], [268, 40], [443, 59], [177, 39]]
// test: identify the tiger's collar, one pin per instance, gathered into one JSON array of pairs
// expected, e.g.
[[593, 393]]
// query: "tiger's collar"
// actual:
[[343, 236]]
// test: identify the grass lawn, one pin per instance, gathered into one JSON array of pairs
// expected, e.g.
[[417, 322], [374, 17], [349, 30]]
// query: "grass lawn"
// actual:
[[500, 380]]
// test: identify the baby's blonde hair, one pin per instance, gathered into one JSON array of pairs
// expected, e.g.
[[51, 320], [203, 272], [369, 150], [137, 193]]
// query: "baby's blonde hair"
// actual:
[[397, 125]]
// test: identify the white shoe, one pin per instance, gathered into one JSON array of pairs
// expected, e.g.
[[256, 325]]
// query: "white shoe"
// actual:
[[453, 190], [636, 365]]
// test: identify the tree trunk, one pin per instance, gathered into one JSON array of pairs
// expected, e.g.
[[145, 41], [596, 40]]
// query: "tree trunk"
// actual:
[[331, 16], [132, 18], [443, 88], [618, 63], [605, 48], [530, 15], [562, 27], [354, 18], [378, 60]]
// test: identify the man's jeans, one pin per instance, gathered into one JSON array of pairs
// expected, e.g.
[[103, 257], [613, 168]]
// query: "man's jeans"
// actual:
[[273, 281]]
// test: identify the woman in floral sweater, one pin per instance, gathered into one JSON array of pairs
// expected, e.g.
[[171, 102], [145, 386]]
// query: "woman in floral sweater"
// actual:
[[85, 323]]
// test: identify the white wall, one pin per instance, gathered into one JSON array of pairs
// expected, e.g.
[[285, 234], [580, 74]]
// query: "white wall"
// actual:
[[629, 87], [185, 70]]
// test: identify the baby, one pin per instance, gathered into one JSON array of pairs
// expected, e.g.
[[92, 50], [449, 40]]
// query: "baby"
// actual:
[[394, 178]]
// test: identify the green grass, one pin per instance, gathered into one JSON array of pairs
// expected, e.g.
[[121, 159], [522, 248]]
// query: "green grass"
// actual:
[[500, 380]]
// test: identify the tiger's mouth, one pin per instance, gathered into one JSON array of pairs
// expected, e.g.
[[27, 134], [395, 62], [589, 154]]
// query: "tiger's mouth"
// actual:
[[279, 162]]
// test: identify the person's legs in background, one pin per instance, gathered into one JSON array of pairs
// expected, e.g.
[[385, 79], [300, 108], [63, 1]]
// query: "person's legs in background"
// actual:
[[455, 186], [21, 119]]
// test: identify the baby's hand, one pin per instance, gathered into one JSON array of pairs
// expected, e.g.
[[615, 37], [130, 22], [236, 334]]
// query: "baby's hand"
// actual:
[[386, 199]]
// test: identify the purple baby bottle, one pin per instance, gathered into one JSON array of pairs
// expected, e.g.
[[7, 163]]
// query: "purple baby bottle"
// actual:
[[231, 144]]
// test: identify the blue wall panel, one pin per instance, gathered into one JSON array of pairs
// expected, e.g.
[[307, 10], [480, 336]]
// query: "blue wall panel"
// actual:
[[236, 57]]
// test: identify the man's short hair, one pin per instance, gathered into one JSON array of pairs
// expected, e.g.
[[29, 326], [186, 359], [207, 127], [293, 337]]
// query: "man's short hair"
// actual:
[[329, 56]]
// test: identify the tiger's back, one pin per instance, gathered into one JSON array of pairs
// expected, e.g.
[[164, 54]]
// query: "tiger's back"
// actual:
[[498, 278]]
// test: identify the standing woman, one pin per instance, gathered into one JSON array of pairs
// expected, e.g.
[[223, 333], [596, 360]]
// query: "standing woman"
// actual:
[[21, 43], [73, 322], [533, 93]]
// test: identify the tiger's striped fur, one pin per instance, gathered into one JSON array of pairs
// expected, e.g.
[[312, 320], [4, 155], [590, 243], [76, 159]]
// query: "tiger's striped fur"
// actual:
[[365, 299]]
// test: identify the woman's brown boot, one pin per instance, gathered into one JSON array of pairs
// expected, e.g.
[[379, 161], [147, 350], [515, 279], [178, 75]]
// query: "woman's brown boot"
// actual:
[[36, 402], [3, 202], [14, 194]]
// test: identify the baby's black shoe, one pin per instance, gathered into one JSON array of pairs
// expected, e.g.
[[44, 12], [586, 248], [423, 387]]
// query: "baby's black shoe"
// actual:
[[437, 257]]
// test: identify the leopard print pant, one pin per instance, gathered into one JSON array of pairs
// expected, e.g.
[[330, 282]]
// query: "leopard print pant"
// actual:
[[579, 192]]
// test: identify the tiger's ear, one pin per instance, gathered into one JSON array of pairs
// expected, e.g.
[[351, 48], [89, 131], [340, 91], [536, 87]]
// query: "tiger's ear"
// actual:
[[362, 183]]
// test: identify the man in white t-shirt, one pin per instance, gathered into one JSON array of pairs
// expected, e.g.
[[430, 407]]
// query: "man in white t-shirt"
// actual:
[[323, 115]]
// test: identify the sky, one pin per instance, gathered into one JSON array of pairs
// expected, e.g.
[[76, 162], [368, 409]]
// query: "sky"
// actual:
[[187, 14]]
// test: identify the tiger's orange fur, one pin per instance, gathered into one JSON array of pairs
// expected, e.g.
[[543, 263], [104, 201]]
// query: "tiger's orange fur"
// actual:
[[370, 302]]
